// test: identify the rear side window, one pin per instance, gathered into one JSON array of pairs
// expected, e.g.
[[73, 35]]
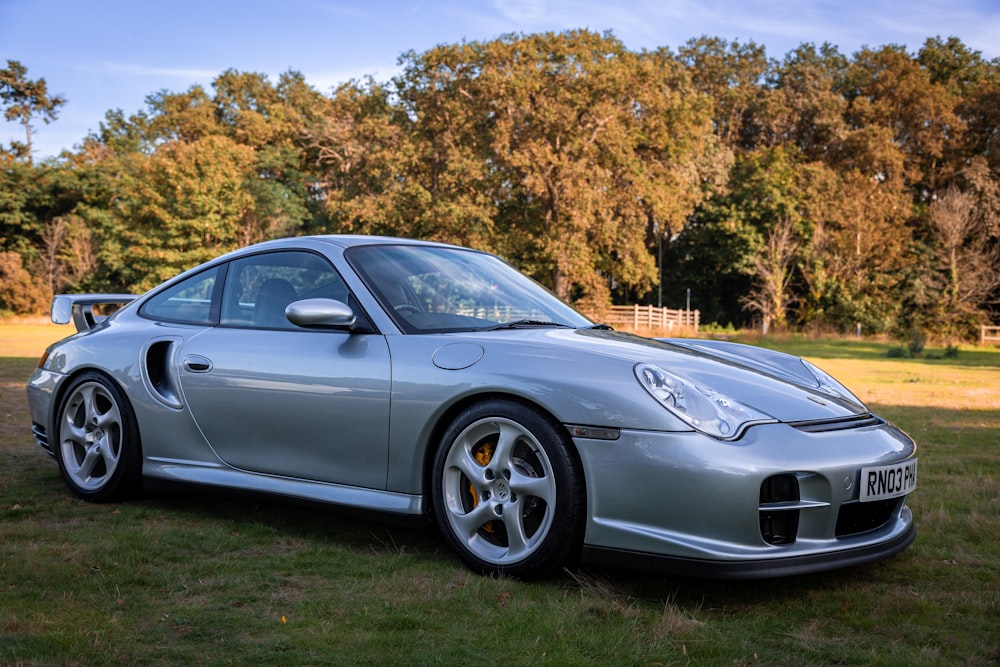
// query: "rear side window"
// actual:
[[191, 301]]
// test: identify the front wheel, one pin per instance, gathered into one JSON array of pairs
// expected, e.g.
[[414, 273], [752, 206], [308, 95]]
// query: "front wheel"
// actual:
[[508, 491], [98, 440]]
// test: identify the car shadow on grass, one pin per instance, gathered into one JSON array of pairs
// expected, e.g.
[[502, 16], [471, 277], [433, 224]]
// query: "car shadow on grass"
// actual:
[[279, 526]]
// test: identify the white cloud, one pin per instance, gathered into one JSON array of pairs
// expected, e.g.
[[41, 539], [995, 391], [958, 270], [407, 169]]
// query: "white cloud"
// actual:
[[326, 81], [185, 74]]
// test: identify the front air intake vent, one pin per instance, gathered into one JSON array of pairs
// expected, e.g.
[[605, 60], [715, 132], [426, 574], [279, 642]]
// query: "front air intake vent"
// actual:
[[41, 437], [840, 424], [779, 512], [855, 518]]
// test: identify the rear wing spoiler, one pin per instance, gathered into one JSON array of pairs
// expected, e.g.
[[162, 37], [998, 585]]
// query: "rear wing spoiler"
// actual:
[[80, 308]]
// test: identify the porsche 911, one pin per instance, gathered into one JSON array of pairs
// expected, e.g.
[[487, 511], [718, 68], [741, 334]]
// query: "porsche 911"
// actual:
[[433, 383]]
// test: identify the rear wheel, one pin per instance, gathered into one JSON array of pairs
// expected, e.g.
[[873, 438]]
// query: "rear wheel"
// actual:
[[507, 492], [98, 440]]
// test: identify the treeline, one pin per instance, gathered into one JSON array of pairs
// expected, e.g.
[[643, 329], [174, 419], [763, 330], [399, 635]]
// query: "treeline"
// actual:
[[816, 191]]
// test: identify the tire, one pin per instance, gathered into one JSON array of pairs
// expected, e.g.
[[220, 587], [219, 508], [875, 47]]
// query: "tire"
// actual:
[[508, 492], [97, 440]]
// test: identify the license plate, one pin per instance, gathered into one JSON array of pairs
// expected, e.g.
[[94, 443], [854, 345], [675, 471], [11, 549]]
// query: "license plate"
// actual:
[[891, 481]]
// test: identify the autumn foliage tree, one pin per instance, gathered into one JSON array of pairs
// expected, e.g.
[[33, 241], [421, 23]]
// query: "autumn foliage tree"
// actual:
[[560, 150], [816, 191]]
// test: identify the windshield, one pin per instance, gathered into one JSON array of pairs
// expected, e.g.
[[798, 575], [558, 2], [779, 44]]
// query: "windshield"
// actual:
[[434, 289]]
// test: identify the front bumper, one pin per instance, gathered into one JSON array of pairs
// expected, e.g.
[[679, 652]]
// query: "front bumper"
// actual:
[[754, 569], [686, 503]]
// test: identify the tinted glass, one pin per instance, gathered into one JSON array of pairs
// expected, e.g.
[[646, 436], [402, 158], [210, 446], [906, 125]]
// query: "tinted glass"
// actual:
[[432, 289], [189, 301], [259, 287]]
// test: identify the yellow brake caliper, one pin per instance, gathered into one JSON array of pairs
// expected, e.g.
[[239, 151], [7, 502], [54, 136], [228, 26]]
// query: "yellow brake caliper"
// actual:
[[483, 454]]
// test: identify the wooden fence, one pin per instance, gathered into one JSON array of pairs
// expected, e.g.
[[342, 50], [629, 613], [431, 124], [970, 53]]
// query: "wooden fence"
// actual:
[[651, 317], [989, 335]]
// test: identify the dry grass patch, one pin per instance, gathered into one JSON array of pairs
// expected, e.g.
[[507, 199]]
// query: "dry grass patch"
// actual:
[[29, 340], [918, 384]]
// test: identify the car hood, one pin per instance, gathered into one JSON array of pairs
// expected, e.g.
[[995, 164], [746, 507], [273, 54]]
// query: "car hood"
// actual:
[[775, 383]]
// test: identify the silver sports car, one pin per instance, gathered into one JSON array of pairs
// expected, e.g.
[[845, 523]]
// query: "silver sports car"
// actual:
[[433, 382]]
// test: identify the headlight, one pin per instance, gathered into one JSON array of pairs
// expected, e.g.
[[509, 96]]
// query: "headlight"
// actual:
[[704, 409]]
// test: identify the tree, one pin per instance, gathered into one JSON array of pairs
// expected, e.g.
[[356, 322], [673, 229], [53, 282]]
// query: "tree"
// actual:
[[980, 110], [801, 105], [888, 89], [272, 120], [597, 146], [226, 169], [118, 135], [560, 151], [818, 190], [772, 267], [760, 223], [24, 100], [181, 206], [969, 260], [187, 116], [19, 291], [858, 252], [731, 74], [952, 64], [734, 244], [361, 149], [69, 253]]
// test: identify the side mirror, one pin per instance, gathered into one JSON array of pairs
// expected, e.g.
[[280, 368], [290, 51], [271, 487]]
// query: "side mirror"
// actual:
[[321, 314]]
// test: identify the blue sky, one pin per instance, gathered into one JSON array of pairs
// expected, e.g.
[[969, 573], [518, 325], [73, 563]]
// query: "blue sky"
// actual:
[[111, 54]]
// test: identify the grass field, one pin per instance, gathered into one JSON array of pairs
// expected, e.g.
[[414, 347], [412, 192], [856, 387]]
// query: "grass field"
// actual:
[[191, 579]]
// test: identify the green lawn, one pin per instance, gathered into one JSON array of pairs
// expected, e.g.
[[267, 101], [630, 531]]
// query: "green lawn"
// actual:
[[192, 579]]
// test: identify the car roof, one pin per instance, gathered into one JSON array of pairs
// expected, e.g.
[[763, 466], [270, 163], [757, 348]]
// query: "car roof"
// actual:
[[341, 241], [351, 240]]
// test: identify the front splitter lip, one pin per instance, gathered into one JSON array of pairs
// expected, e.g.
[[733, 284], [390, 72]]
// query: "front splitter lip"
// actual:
[[749, 569]]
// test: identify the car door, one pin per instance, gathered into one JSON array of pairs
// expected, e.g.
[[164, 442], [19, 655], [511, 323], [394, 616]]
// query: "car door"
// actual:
[[274, 398]]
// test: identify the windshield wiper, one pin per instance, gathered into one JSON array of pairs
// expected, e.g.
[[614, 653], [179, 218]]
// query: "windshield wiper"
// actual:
[[598, 327], [526, 324]]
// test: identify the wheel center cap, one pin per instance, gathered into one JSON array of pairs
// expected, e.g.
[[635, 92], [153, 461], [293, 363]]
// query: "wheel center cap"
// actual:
[[501, 491]]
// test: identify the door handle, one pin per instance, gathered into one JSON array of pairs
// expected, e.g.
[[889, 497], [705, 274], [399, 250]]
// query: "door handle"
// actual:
[[197, 364]]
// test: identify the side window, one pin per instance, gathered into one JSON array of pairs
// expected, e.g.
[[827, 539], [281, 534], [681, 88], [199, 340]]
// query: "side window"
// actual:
[[259, 287], [189, 301]]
